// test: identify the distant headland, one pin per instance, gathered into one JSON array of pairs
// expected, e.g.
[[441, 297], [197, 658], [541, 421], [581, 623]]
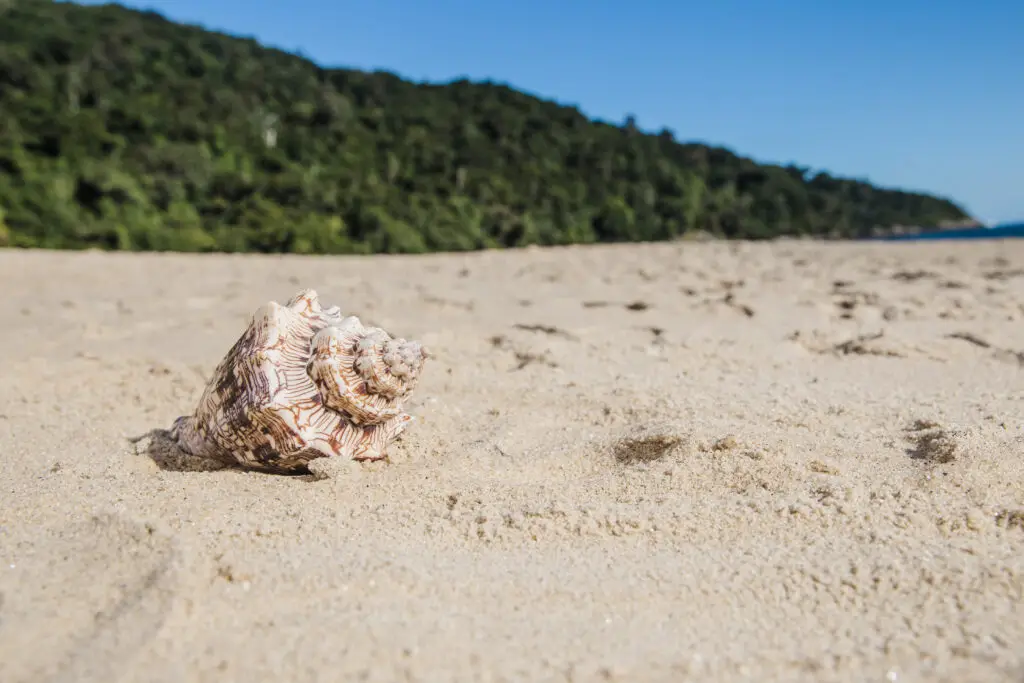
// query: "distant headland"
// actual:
[[120, 129]]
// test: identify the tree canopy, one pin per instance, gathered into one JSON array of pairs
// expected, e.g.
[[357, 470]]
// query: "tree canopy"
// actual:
[[120, 129]]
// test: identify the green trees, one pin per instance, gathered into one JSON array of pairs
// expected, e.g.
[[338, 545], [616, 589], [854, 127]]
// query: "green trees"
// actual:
[[121, 130]]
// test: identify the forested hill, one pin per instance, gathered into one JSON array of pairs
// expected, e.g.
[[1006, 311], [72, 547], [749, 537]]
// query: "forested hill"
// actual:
[[120, 129]]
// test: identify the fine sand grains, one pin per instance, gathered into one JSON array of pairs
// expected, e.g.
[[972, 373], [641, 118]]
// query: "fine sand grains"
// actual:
[[715, 462]]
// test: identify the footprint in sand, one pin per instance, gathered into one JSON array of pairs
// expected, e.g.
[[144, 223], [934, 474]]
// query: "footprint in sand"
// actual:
[[82, 601]]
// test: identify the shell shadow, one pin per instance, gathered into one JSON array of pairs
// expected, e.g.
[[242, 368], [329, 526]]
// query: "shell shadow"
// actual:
[[161, 448]]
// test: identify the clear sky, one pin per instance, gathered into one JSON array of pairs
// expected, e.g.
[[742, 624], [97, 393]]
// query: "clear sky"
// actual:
[[916, 94]]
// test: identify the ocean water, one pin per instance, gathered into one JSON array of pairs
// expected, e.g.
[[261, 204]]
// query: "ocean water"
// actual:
[[998, 232]]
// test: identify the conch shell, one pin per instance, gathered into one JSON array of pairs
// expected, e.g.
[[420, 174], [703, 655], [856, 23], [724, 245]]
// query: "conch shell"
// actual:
[[303, 383]]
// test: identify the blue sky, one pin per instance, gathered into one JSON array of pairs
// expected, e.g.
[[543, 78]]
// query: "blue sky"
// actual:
[[917, 94]]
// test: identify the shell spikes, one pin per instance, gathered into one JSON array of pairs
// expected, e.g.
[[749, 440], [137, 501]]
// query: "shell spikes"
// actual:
[[303, 383]]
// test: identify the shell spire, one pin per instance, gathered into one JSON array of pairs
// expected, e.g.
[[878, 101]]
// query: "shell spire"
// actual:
[[301, 383], [363, 372]]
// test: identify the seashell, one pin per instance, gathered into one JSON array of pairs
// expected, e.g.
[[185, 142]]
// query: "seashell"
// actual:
[[302, 383]]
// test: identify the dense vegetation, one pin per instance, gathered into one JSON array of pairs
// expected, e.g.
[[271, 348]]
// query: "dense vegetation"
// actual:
[[120, 129]]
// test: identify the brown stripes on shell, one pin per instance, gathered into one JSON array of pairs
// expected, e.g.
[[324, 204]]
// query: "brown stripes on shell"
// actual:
[[301, 383]]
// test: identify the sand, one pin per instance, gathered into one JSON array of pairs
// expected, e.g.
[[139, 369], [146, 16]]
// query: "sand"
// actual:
[[713, 462]]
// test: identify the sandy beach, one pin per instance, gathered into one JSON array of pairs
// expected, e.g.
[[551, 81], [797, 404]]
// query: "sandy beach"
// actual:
[[835, 491]]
